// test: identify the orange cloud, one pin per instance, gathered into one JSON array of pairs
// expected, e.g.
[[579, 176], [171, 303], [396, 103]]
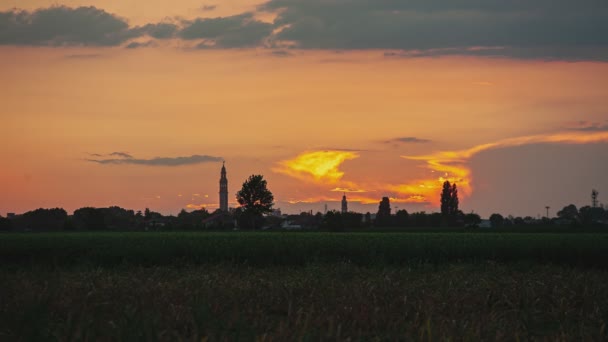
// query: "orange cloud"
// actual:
[[453, 167], [322, 167], [317, 165]]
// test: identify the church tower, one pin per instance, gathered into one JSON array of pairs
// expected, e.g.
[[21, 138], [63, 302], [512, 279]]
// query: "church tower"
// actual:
[[223, 190], [344, 204]]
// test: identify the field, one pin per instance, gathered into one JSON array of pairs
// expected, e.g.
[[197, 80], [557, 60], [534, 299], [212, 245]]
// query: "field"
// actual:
[[303, 286]]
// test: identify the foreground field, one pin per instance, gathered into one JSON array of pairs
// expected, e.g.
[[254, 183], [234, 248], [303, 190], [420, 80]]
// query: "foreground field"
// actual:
[[303, 286], [340, 301], [106, 249]]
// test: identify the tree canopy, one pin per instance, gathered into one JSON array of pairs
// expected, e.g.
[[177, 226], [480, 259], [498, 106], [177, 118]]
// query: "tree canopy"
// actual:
[[255, 199]]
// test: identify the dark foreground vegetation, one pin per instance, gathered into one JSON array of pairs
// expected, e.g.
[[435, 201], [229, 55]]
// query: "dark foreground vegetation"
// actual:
[[303, 286], [296, 249]]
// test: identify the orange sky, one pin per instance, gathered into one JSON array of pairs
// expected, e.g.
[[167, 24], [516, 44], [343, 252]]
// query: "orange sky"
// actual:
[[261, 112]]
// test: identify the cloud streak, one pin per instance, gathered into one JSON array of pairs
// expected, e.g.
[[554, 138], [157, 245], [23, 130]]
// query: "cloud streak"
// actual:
[[158, 161]]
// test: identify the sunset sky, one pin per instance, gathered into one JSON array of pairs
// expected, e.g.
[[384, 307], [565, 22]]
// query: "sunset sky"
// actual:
[[136, 104]]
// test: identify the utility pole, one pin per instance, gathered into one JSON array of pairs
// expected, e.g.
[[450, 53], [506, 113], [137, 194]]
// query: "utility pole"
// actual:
[[547, 207]]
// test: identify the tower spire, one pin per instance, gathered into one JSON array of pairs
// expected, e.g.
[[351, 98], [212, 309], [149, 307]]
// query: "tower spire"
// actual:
[[344, 204], [223, 188]]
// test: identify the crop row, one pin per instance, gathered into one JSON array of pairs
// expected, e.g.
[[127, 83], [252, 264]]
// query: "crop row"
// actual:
[[298, 249]]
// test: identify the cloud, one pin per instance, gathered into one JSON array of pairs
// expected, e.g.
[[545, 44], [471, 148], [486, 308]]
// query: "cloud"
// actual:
[[452, 165], [548, 29], [60, 25], [136, 45], [408, 140], [158, 31], [350, 190], [158, 161], [229, 32], [121, 154], [588, 126], [316, 165]]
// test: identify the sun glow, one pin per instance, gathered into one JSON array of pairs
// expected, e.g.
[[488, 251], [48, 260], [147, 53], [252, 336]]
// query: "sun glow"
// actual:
[[319, 165]]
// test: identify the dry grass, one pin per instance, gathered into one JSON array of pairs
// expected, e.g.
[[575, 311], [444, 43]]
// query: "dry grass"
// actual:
[[337, 301]]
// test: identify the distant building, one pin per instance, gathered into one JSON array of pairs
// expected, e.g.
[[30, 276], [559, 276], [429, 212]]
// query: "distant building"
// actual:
[[223, 190], [344, 204], [276, 212], [10, 215]]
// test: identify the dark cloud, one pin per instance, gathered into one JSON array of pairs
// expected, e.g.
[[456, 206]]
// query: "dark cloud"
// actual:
[[408, 140], [552, 29], [588, 126], [135, 45], [121, 154], [158, 31], [60, 25], [159, 161], [234, 31]]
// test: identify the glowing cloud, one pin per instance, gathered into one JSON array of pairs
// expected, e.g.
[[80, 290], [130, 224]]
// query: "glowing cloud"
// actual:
[[452, 165], [320, 166]]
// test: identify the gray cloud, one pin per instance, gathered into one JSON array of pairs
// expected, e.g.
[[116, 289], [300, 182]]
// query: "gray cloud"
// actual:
[[135, 45], [234, 31], [540, 29], [60, 25], [588, 126], [120, 154], [552, 29], [408, 140], [158, 31], [159, 161]]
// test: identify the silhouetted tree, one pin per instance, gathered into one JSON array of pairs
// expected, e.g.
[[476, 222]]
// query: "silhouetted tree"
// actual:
[[472, 220], [449, 201], [446, 198], [454, 200], [496, 220], [402, 218], [383, 217], [255, 199], [89, 219], [42, 219], [569, 213], [5, 224], [368, 219]]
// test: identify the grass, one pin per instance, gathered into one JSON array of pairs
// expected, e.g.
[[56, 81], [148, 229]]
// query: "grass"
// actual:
[[337, 301], [310, 286], [106, 249]]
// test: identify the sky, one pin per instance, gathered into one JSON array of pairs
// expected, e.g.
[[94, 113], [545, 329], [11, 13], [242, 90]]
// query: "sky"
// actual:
[[131, 104]]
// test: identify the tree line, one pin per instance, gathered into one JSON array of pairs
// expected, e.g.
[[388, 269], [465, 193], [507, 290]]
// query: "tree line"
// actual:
[[256, 202]]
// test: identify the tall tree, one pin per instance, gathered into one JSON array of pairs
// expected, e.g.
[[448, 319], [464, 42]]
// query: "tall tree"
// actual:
[[446, 198], [454, 200], [255, 199], [383, 217]]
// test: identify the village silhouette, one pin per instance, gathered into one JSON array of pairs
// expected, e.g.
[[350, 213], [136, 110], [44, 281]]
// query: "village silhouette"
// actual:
[[256, 212]]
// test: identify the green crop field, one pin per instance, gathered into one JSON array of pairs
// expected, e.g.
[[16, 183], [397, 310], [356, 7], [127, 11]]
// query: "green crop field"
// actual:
[[303, 286]]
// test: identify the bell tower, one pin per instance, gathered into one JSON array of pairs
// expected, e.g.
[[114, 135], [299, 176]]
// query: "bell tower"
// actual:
[[344, 204], [223, 189]]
